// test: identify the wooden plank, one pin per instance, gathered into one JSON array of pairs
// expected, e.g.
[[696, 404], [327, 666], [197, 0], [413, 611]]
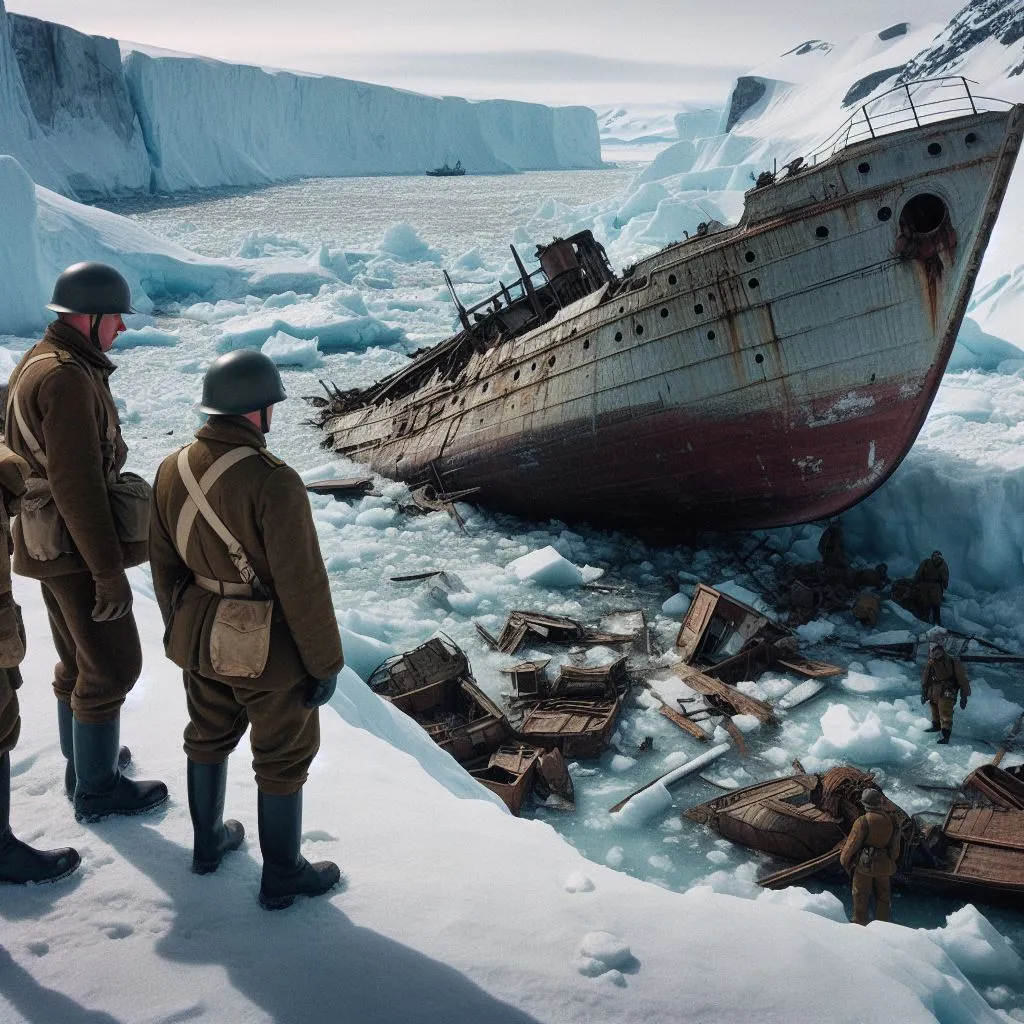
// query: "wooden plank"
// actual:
[[809, 667], [737, 737], [1001, 752], [790, 876], [684, 723], [677, 773], [729, 695]]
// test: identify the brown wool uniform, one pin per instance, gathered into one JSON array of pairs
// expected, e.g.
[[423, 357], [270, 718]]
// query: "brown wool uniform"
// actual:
[[932, 581], [67, 406], [12, 486], [874, 832], [264, 504], [942, 681]]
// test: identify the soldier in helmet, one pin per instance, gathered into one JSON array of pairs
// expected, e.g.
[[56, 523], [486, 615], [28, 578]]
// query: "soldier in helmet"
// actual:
[[242, 587], [82, 523], [943, 678], [932, 579], [870, 855]]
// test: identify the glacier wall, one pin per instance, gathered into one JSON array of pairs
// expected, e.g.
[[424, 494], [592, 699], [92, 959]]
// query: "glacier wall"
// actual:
[[67, 116], [209, 123]]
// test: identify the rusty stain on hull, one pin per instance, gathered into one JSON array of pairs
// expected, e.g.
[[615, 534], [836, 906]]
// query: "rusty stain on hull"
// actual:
[[771, 373]]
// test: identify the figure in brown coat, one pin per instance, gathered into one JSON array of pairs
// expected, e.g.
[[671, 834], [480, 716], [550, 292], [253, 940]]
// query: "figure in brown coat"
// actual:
[[943, 678], [870, 854], [932, 579], [82, 523], [244, 594], [19, 862]]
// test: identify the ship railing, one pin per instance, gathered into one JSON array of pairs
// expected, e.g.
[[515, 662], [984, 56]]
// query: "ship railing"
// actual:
[[913, 104]]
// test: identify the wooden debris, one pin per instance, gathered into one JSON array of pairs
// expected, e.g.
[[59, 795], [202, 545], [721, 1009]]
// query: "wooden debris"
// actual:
[[684, 722], [737, 737], [1008, 742], [809, 868], [729, 695], [347, 487], [579, 728]]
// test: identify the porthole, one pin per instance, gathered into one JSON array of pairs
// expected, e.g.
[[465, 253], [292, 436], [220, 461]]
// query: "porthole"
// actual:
[[671, 278], [970, 138], [455, 400], [711, 297], [759, 358], [664, 313], [821, 231], [639, 328], [586, 343], [533, 366], [622, 309], [711, 335], [618, 335], [484, 388], [884, 213], [551, 361], [698, 309], [515, 376], [864, 167], [753, 283], [872, 379], [934, 149], [922, 215], [749, 257]]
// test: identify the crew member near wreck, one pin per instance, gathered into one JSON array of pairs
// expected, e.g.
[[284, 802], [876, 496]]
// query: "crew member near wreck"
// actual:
[[241, 584], [943, 679], [932, 580], [82, 523], [870, 854], [19, 862]]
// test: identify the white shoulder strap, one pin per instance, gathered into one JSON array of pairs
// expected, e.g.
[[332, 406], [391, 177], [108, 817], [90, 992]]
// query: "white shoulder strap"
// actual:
[[197, 503], [13, 405]]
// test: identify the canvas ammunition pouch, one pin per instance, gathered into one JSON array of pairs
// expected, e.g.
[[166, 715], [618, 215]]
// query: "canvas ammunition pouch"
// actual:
[[240, 634], [12, 632], [43, 528]]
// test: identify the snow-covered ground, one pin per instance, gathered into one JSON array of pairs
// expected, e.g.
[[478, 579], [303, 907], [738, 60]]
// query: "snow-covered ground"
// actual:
[[640, 131], [454, 910]]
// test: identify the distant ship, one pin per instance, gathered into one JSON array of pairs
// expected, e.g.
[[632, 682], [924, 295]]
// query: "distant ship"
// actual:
[[767, 374], [444, 171]]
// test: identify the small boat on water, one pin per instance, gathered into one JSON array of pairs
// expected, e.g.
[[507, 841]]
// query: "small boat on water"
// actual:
[[444, 171], [578, 728], [766, 374], [977, 853]]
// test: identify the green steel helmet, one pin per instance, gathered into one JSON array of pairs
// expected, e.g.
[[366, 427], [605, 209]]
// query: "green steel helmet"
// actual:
[[92, 288], [871, 799], [240, 382]]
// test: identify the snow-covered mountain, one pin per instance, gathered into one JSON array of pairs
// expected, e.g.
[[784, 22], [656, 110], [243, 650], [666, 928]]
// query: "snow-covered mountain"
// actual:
[[86, 124], [639, 131]]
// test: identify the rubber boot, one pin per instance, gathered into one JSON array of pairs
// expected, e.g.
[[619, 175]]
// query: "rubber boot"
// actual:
[[67, 748], [213, 836], [944, 738], [19, 863], [286, 873], [933, 728], [101, 789]]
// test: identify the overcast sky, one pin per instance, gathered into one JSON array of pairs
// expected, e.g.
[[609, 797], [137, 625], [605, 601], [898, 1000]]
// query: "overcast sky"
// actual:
[[554, 51]]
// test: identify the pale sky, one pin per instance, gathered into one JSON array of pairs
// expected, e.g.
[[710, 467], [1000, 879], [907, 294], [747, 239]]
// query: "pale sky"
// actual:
[[551, 51]]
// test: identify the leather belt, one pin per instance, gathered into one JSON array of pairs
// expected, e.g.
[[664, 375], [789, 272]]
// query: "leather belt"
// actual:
[[223, 588]]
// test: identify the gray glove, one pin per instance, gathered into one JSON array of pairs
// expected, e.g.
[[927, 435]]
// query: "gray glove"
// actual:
[[320, 691], [113, 598]]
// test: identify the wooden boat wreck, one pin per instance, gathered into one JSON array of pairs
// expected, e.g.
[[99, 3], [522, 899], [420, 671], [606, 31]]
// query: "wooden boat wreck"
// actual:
[[977, 853], [433, 685], [510, 773], [578, 728], [769, 373]]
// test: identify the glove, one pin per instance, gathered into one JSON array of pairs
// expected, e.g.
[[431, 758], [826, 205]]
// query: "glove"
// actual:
[[113, 598], [320, 691], [963, 701]]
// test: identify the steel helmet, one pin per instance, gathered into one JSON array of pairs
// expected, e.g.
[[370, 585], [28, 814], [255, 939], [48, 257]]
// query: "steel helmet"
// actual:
[[92, 288], [872, 799], [240, 382]]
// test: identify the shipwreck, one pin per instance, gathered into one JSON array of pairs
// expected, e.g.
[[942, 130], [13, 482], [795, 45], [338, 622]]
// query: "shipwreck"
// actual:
[[769, 373]]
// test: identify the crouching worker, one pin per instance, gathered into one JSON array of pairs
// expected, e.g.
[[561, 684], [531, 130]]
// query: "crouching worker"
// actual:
[[870, 854], [244, 595], [19, 863], [82, 523]]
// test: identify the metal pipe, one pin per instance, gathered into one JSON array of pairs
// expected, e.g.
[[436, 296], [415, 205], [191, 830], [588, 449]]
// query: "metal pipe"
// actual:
[[910, 100]]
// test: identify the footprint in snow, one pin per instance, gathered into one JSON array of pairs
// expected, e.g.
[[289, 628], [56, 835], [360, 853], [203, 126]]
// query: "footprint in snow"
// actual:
[[604, 956], [578, 882]]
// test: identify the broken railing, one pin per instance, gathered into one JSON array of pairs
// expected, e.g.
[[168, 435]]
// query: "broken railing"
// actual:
[[903, 107]]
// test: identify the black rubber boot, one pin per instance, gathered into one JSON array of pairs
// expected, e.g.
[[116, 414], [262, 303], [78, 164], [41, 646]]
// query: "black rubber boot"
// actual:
[[19, 863], [67, 748], [286, 873], [213, 836], [944, 738], [933, 728], [101, 789]]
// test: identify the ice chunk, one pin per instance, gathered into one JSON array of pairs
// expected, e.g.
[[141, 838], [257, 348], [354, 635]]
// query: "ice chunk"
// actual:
[[550, 569], [579, 882], [863, 741], [285, 350], [975, 946], [677, 605], [402, 240], [606, 948], [147, 337], [816, 631]]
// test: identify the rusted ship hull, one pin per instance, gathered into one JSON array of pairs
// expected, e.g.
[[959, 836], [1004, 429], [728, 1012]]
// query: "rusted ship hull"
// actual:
[[767, 374]]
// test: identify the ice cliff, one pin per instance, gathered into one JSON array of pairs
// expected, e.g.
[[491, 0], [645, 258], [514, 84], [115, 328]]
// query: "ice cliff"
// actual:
[[85, 124]]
